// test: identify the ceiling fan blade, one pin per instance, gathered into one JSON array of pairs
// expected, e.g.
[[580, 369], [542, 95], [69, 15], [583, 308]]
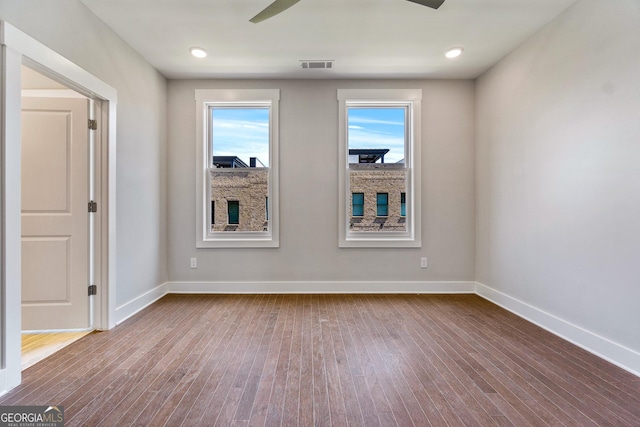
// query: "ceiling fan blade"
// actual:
[[434, 4], [273, 9]]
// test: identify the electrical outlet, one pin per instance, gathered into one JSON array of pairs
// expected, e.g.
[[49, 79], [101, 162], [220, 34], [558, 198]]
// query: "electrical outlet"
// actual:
[[194, 262], [423, 263]]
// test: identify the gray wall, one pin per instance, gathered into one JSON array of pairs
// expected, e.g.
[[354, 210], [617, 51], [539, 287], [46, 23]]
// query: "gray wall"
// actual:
[[309, 190], [554, 170], [558, 177], [69, 28]]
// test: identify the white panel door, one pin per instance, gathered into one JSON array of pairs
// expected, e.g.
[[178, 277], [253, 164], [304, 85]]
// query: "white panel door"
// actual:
[[55, 218]]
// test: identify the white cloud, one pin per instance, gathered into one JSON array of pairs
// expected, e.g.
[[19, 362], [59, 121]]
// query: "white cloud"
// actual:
[[240, 138], [369, 139], [366, 120]]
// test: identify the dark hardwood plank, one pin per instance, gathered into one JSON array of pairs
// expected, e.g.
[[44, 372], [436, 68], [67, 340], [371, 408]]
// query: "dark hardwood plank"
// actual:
[[175, 373], [271, 413], [190, 394], [327, 322], [306, 412], [329, 360], [365, 371], [230, 380], [272, 379]]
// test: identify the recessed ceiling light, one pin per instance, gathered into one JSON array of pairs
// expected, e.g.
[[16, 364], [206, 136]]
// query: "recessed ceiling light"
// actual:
[[454, 52], [198, 52]]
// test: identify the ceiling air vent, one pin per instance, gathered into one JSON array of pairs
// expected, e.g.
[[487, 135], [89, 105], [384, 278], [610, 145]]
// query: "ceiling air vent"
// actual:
[[317, 64]]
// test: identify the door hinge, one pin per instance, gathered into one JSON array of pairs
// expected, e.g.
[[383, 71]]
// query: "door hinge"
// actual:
[[93, 206], [93, 124], [93, 290]]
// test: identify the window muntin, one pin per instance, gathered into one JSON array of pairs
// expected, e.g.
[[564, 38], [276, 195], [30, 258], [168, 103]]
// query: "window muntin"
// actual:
[[382, 204], [379, 133], [357, 204], [238, 151]]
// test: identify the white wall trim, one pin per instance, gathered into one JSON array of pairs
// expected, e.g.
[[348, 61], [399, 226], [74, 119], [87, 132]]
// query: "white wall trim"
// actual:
[[51, 93], [411, 99], [602, 347], [4, 389], [620, 356], [210, 98], [141, 302], [319, 287], [10, 218], [18, 48], [39, 54]]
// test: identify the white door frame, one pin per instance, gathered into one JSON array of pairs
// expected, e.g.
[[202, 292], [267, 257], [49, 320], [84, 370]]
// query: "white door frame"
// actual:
[[18, 48]]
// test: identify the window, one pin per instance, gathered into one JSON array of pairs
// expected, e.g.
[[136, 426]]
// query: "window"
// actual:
[[357, 204], [382, 204], [238, 165], [379, 138], [233, 212]]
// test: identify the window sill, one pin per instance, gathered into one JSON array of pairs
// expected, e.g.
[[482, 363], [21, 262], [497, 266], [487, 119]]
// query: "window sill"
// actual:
[[237, 243], [378, 242]]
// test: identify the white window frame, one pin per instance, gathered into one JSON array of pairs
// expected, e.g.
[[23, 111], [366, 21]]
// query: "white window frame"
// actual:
[[411, 99], [206, 98]]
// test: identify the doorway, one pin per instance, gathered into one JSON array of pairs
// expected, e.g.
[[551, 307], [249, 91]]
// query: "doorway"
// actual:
[[20, 49], [56, 171]]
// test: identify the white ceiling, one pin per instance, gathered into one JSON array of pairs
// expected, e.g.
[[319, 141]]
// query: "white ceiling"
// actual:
[[366, 38]]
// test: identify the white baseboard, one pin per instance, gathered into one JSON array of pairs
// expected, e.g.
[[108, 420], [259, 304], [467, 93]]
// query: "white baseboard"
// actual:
[[132, 307], [316, 287], [4, 389], [135, 305], [617, 354]]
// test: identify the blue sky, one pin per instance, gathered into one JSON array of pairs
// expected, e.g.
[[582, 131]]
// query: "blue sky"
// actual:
[[244, 132], [378, 128]]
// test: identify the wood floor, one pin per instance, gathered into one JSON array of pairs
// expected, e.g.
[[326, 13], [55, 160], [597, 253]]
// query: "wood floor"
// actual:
[[36, 347], [321, 360]]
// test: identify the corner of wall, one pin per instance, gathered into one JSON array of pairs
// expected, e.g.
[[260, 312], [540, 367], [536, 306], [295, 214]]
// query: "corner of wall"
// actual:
[[137, 304], [602, 347]]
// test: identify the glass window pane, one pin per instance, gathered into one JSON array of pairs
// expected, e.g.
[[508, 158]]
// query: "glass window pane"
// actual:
[[240, 165], [233, 211], [376, 134], [379, 157], [240, 136], [357, 202], [376, 141], [382, 204]]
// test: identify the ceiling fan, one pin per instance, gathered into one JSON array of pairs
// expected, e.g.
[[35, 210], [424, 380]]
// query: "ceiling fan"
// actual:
[[281, 5]]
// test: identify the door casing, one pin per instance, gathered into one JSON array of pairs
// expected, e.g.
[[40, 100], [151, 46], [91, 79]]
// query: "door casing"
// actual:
[[18, 48]]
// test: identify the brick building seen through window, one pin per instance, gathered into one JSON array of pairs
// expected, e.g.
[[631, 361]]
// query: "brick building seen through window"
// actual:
[[240, 201], [378, 191]]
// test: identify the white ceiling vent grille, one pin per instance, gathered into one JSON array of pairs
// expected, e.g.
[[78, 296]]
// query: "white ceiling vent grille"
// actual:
[[317, 64]]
